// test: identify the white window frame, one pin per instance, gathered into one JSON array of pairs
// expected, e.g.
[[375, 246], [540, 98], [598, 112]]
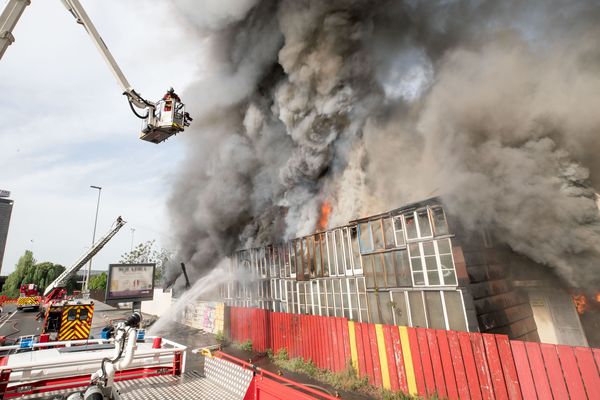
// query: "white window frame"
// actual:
[[315, 295], [432, 219], [401, 216], [442, 294], [338, 237], [358, 270], [438, 265]]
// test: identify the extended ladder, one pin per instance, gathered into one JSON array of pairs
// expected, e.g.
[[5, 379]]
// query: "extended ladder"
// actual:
[[72, 270]]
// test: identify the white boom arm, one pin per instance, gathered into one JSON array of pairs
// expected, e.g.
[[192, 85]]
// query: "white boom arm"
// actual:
[[75, 8], [72, 270], [8, 19]]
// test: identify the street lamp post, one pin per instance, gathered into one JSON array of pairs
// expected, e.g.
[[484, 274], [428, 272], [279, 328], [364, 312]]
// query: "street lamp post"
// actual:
[[86, 281], [132, 232]]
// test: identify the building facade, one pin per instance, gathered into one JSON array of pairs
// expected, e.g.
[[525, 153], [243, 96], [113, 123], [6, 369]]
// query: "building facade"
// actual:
[[412, 266], [6, 206]]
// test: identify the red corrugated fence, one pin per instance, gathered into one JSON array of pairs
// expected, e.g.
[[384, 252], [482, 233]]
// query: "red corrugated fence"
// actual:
[[426, 362]]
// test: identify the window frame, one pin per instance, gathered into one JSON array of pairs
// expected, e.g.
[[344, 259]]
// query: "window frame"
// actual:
[[438, 264]]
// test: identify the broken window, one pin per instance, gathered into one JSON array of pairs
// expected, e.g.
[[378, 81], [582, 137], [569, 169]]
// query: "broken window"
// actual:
[[377, 233], [292, 258], [399, 231], [365, 238], [388, 233], [347, 252], [411, 226], [357, 264], [440, 224], [431, 263], [424, 224]]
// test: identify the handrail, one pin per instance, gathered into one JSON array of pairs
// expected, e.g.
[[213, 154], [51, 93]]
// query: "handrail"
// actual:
[[139, 354]]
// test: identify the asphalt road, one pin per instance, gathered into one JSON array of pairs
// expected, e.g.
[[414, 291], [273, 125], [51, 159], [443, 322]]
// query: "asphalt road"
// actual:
[[15, 323]]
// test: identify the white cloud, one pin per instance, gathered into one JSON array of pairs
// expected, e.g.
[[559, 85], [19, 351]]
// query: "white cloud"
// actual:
[[64, 126]]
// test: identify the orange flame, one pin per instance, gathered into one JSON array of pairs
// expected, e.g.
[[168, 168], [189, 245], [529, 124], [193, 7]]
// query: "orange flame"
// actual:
[[598, 297], [580, 303], [324, 215]]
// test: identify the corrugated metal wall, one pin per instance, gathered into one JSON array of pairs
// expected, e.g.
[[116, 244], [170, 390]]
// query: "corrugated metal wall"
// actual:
[[424, 361]]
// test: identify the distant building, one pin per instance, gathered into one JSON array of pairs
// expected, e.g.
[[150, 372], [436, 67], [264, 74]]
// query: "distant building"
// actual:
[[412, 266], [6, 206]]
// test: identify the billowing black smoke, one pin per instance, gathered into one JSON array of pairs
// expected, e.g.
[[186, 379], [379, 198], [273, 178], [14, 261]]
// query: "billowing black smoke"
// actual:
[[371, 104]]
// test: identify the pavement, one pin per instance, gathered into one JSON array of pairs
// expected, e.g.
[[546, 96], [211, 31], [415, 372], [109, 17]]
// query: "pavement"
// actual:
[[14, 324]]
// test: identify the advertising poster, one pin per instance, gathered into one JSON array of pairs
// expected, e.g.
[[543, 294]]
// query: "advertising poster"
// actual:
[[130, 282]]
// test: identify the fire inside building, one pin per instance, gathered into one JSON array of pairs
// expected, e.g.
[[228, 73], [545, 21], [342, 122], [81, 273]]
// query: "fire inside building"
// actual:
[[413, 266]]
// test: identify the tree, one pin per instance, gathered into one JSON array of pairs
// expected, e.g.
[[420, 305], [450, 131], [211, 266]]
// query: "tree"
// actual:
[[147, 253], [98, 281], [23, 270], [28, 271]]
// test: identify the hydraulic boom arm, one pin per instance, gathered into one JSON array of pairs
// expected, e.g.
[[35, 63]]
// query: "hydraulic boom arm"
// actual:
[[72, 270], [162, 119], [75, 8]]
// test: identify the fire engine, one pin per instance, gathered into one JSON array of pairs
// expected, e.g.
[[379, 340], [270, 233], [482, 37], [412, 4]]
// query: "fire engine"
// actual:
[[161, 119], [29, 297], [67, 318]]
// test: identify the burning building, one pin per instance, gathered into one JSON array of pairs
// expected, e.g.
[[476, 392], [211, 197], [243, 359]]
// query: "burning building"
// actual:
[[412, 266], [322, 111]]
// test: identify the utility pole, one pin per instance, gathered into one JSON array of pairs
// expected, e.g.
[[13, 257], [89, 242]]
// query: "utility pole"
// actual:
[[86, 281]]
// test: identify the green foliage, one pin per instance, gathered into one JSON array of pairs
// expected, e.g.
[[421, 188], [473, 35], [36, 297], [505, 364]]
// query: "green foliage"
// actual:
[[247, 345], [98, 281], [28, 271], [146, 253], [220, 337], [346, 380], [282, 355]]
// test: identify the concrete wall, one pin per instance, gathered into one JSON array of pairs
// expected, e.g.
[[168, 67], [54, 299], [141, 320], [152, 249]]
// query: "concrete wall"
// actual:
[[205, 315], [159, 305]]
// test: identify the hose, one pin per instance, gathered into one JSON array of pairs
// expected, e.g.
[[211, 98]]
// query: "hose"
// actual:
[[121, 348], [136, 113]]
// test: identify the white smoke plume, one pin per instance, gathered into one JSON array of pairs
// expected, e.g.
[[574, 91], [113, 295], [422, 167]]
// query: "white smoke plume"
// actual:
[[372, 104]]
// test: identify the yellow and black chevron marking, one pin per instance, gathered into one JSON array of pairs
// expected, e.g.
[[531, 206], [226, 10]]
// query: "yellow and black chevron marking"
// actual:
[[28, 301], [76, 329]]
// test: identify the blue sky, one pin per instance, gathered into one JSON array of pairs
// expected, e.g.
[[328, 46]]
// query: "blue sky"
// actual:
[[64, 125]]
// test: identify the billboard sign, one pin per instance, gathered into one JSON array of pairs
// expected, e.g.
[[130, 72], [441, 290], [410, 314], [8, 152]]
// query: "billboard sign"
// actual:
[[130, 282], [4, 193]]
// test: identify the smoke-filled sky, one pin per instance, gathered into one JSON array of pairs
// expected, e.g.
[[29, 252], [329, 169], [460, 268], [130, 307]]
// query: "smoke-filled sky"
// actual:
[[373, 104]]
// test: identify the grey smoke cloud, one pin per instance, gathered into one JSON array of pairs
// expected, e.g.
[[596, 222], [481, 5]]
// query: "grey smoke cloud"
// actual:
[[371, 104]]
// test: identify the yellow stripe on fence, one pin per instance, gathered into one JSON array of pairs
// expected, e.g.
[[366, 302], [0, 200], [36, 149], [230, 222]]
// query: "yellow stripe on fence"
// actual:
[[408, 364], [383, 361], [353, 351]]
